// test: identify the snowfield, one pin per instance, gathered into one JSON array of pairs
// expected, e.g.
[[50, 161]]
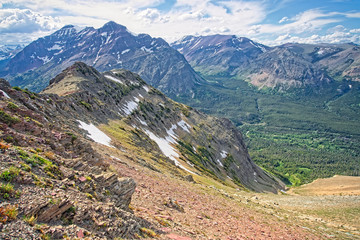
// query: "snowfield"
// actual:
[[95, 134]]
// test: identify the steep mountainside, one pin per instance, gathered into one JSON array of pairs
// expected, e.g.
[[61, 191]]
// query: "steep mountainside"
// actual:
[[55, 183], [175, 133], [191, 140], [284, 68], [111, 46], [218, 54]]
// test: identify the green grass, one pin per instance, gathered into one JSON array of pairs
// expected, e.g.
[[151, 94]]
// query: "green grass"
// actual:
[[298, 135]]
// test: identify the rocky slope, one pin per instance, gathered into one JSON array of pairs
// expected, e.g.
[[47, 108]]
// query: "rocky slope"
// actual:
[[283, 67], [196, 143], [56, 177], [53, 183], [219, 54], [111, 46]]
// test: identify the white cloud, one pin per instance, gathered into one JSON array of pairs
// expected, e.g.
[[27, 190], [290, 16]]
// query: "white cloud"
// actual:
[[353, 15], [334, 37], [284, 19], [186, 17], [25, 21], [357, 30]]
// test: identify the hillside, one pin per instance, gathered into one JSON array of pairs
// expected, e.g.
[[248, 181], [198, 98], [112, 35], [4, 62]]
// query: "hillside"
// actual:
[[297, 137], [90, 158], [295, 102]]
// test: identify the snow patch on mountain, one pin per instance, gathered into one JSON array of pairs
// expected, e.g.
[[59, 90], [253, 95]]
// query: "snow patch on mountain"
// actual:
[[95, 134], [45, 59], [55, 47], [5, 94], [148, 50], [223, 154], [125, 51], [165, 145], [130, 106], [113, 79], [184, 125]]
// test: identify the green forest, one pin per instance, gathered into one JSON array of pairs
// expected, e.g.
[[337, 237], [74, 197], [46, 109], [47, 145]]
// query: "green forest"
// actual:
[[298, 135]]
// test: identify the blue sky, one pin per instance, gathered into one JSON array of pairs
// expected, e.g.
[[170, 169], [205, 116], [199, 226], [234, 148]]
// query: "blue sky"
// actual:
[[269, 22]]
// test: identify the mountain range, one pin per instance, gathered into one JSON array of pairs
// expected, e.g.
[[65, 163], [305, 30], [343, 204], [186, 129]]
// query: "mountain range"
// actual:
[[277, 89], [111, 46], [287, 66]]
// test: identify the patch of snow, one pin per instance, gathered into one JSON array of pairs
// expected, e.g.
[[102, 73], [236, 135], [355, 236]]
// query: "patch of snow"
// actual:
[[223, 154], [148, 50], [142, 122], [171, 134], [55, 47], [104, 34], [59, 52], [166, 147], [95, 134], [97, 56], [125, 51], [113, 79], [221, 165], [320, 52], [350, 86], [184, 125], [80, 44], [108, 39], [147, 89], [255, 180], [130, 106], [255, 174], [197, 43], [258, 46], [45, 59], [5, 94]]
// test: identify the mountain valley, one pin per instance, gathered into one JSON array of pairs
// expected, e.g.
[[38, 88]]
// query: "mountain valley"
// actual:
[[72, 153], [108, 134]]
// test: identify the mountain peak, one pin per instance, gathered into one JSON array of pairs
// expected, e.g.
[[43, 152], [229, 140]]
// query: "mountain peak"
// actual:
[[66, 31], [113, 26], [67, 81]]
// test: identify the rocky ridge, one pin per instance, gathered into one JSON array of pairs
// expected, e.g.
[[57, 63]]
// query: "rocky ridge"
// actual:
[[193, 141], [53, 183], [56, 183]]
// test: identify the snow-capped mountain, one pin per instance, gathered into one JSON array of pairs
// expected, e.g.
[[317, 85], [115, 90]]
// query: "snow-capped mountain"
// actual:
[[218, 53], [7, 52], [111, 46], [290, 65]]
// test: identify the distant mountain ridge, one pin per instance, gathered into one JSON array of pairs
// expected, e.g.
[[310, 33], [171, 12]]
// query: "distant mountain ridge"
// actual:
[[218, 53], [111, 46], [287, 66]]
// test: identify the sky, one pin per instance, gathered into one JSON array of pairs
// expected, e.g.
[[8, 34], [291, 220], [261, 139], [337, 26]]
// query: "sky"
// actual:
[[269, 22]]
